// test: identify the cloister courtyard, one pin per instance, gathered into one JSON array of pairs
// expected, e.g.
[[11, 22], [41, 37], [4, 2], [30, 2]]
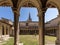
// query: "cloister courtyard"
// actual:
[[7, 30], [30, 40]]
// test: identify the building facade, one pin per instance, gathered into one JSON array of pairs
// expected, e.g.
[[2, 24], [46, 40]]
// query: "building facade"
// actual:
[[28, 27], [6, 27]]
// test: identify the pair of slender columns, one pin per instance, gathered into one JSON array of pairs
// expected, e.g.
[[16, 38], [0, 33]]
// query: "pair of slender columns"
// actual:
[[41, 30], [4, 30]]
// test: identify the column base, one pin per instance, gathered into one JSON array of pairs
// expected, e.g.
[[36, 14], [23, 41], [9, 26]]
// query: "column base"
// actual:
[[57, 42], [20, 44]]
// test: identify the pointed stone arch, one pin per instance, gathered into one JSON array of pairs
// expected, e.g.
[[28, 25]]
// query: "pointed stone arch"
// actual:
[[53, 4], [35, 3], [6, 3]]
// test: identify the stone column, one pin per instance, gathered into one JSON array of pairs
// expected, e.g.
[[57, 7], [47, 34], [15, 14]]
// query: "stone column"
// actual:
[[8, 29], [41, 30], [58, 34], [0, 29], [4, 30], [16, 26]]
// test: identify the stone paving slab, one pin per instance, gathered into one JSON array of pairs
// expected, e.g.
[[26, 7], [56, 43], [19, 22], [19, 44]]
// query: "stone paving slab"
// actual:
[[20, 43], [49, 44]]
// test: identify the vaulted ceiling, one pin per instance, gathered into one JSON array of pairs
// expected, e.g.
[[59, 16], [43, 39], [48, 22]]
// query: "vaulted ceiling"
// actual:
[[42, 1], [42, 4]]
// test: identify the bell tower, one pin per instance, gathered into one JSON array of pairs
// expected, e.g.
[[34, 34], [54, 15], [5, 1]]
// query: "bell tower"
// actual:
[[29, 18]]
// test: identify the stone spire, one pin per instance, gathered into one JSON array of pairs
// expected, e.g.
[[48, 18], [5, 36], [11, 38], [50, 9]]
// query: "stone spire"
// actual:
[[29, 18]]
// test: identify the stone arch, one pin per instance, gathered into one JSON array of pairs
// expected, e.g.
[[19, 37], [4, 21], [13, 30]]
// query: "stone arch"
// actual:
[[35, 3], [6, 3], [52, 4]]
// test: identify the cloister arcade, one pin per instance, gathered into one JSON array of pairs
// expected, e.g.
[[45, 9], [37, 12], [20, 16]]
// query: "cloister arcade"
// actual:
[[41, 5]]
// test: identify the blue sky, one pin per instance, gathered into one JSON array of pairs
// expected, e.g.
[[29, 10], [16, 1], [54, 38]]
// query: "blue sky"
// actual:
[[6, 12]]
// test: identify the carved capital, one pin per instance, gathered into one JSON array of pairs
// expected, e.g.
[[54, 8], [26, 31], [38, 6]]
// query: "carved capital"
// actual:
[[58, 15], [59, 11], [40, 13], [59, 23], [16, 12]]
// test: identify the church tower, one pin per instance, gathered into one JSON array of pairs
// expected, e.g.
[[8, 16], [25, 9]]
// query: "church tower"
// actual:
[[29, 18]]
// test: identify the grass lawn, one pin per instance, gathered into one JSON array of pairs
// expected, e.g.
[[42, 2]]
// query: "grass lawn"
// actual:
[[50, 38], [30, 40]]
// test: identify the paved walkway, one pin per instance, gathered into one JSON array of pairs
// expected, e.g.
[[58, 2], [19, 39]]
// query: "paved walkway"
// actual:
[[3, 39]]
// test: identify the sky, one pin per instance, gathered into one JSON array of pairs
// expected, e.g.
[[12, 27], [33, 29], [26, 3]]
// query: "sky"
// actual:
[[6, 12]]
